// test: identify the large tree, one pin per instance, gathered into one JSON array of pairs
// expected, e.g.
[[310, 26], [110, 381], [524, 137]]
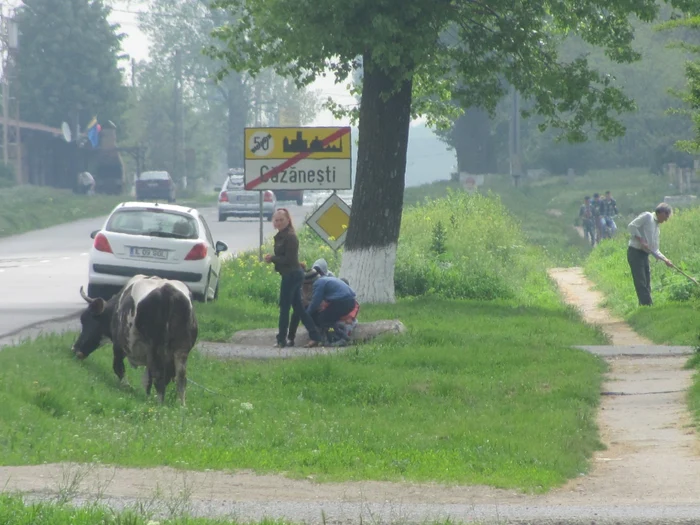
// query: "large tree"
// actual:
[[67, 62], [399, 45]]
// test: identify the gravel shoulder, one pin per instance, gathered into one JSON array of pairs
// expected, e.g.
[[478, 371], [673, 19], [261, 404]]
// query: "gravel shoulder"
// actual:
[[649, 473]]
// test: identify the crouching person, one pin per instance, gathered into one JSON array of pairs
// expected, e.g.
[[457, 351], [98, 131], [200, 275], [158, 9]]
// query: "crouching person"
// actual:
[[338, 300], [306, 292]]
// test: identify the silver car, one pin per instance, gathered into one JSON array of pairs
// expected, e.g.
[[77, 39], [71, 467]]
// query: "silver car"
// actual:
[[236, 201]]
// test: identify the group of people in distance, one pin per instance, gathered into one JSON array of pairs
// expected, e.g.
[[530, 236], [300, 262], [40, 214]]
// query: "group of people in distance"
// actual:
[[325, 304], [597, 217]]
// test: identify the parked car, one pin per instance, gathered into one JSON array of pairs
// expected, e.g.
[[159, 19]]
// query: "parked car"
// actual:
[[170, 241], [156, 185], [290, 195], [236, 201]]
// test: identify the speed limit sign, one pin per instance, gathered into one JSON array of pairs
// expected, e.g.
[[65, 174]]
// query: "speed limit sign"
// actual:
[[261, 144]]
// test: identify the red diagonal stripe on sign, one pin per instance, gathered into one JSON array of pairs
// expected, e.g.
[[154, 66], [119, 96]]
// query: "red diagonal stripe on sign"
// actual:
[[296, 158]]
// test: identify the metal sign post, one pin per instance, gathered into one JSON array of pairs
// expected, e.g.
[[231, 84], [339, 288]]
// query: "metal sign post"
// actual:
[[260, 256]]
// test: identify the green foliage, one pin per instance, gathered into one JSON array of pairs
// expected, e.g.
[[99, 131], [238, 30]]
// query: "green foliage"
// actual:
[[68, 62], [439, 243], [672, 319], [407, 40]]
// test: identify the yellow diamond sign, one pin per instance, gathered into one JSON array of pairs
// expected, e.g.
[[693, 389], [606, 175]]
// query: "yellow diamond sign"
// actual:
[[330, 221]]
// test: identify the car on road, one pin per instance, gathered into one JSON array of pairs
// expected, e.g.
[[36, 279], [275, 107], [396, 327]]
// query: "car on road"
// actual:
[[167, 240], [236, 201], [290, 195], [157, 185]]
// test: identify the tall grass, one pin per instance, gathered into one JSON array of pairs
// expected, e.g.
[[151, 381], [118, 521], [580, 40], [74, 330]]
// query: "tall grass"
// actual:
[[547, 209]]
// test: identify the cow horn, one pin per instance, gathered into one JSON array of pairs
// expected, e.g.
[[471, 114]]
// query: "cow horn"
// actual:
[[85, 296]]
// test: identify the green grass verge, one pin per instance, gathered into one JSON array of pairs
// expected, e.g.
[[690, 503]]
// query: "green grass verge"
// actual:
[[26, 208], [14, 510], [475, 393]]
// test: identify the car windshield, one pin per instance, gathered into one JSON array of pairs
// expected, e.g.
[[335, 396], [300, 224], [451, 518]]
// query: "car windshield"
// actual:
[[154, 175], [154, 222]]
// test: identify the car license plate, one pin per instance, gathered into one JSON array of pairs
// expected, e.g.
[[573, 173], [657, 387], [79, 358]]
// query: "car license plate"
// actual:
[[245, 198], [152, 184], [150, 253]]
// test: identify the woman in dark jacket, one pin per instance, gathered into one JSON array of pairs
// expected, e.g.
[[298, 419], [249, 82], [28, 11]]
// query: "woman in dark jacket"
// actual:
[[286, 261]]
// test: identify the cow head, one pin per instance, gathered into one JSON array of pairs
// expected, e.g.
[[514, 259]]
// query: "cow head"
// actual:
[[92, 326]]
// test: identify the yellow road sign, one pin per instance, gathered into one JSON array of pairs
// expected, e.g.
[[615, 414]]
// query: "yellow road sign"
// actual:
[[306, 142], [331, 220]]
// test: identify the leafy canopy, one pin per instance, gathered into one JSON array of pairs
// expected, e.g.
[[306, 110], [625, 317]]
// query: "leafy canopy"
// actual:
[[68, 62], [467, 49], [691, 96]]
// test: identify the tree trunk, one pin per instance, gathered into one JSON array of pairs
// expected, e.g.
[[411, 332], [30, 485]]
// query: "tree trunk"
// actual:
[[375, 220], [473, 143]]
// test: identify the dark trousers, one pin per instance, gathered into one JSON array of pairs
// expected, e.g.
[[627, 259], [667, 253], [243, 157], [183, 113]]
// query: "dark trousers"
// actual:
[[333, 312], [641, 274], [290, 297]]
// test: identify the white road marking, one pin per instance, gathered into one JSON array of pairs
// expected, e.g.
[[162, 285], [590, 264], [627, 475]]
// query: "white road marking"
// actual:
[[83, 254], [45, 261], [65, 258]]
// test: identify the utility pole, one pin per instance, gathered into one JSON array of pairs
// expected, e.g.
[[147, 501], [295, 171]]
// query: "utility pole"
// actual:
[[177, 115], [515, 149], [5, 86], [9, 40]]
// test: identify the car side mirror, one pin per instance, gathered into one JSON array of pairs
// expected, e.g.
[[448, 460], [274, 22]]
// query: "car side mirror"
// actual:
[[221, 246], [93, 234], [217, 188]]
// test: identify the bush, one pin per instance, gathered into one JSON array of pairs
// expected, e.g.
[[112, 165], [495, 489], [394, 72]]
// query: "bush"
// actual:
[[478, 255]]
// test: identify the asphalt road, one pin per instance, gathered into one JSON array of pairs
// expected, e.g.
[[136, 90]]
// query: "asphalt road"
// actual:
[[41, 272]]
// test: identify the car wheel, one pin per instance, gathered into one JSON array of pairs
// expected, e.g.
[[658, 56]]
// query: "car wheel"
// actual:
[[222, 218], [300, 201]]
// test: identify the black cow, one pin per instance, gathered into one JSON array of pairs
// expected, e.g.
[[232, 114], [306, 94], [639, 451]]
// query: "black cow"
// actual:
[[151, 322]]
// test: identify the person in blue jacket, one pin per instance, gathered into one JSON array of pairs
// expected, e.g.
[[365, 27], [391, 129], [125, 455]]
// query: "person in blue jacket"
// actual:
[[337, 298]]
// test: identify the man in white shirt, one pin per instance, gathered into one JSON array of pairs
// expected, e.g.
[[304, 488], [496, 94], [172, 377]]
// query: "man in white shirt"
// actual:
[[644, 240]]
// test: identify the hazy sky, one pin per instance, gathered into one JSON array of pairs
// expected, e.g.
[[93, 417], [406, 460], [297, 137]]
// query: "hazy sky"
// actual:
[[136, 45]]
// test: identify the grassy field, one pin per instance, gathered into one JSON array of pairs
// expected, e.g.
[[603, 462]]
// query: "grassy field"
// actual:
[[25, 208], [478, 391]]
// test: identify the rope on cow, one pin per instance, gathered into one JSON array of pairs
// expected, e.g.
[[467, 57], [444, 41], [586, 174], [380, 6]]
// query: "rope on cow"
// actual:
[[203, 387]]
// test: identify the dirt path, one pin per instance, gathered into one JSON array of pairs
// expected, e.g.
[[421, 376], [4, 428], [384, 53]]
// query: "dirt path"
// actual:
[[650, 472]]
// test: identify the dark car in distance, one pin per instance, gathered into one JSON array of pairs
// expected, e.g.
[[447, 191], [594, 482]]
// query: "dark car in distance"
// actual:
[[290, 195], [155, 185]]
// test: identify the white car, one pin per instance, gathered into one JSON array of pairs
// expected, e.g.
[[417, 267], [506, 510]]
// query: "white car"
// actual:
[[170, 241]]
